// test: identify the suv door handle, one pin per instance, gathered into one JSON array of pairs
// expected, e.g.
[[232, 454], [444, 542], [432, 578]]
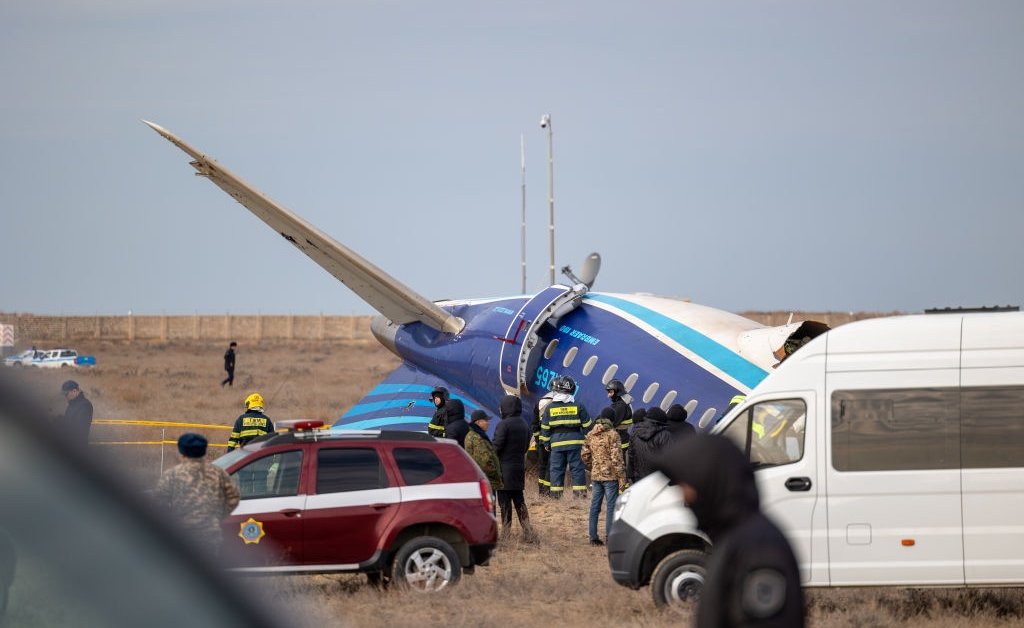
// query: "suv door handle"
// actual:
[[291, 512], [799, 484], [379, 506]]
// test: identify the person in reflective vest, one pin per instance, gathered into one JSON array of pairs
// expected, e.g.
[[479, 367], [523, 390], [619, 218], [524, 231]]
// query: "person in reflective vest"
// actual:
[[623, 413], [439, 397], [543, 454], [252, 424], [563, 425]]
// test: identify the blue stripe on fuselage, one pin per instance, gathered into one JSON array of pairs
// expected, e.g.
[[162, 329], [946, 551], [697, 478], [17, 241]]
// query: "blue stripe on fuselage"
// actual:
[[721, 357]]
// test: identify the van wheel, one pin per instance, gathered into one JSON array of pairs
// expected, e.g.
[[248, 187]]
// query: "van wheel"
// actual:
[[679, 578], [426, 563]]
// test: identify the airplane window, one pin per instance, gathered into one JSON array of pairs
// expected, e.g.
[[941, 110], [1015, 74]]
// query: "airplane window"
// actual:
[[669, 399], [550, 350], [609, 373], [631, 381], [690, 406], [570, 355], [588, 367], [650, 392]]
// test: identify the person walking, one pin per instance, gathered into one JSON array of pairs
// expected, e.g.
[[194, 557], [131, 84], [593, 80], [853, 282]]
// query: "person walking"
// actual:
[[602, 454], [198, 494], [752, 578], [439, 397], [253, 423], [481, 449], [511, 440], [78, 415], [562, 426], [648, 438], [229, 364]]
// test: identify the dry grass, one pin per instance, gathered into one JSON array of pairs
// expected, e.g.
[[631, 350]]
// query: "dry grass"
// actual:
[[562, 581]]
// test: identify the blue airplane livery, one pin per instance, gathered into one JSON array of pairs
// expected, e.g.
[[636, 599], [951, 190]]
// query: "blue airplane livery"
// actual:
[[664, 350]]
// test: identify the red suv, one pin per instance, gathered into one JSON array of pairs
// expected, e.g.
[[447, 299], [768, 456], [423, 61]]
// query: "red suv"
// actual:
[[396, 505]]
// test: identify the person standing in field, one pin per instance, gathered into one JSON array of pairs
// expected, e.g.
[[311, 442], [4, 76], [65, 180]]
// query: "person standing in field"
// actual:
[[543, 455], [562, 427], [752, 579], [78, 415], [439, 397], [648, 438], [251, 424], [511, 440], [481, 449], [602, 454], [198, 494], [229, 364]]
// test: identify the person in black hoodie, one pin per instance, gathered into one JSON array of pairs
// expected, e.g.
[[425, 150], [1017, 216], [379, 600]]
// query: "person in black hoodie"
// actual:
[[677, 425], [511, 440], [753, 579], [648, 438], [455, 426]]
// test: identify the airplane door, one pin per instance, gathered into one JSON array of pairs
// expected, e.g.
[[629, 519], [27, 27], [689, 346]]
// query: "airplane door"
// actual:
[[518, 355], [780, 435]]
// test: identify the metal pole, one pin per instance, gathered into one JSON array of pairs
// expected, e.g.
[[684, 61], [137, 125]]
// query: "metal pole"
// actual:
[[546, 122], [522, 227]]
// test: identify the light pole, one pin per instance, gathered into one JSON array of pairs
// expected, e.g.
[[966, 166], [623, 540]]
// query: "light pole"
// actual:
[[522, 226], [545, 123]]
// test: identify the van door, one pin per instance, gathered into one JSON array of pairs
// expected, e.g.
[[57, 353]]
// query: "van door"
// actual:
[[894, 511], [778, 435]]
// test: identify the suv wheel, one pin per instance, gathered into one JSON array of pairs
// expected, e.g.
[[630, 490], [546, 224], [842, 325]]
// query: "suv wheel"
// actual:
[[678, 579], [426, 563]]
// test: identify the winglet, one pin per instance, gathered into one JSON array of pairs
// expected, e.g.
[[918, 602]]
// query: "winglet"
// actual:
[[383, 292]]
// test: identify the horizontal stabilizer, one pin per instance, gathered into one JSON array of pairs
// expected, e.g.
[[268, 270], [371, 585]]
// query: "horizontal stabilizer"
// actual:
[[382, 291]]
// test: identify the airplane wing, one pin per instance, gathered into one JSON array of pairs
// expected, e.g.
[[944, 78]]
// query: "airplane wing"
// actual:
[[383, 292], [402, 402]]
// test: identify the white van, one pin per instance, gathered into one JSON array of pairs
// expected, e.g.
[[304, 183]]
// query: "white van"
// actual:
[[889, 451]]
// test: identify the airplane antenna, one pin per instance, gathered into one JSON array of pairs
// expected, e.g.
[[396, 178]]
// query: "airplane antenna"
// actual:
[[522, 226], [545, 123]]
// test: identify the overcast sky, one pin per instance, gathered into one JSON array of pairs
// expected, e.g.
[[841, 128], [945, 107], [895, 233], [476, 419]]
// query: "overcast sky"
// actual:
[[757, 155]]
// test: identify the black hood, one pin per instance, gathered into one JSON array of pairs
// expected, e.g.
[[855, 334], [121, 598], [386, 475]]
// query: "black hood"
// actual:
[[648, 430], [510, 406], [455, 410], [722, 477]]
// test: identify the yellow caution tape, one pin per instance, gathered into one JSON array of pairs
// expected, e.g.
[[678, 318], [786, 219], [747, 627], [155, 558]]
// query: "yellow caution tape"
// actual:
[[159, 423]]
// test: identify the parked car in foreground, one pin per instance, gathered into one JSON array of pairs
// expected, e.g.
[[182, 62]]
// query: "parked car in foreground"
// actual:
[[399, 506], [22, 359]]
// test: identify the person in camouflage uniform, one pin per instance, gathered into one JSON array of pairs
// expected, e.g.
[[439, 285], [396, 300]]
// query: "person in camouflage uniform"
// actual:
[[199, 494], [481, 449], [602, 453]]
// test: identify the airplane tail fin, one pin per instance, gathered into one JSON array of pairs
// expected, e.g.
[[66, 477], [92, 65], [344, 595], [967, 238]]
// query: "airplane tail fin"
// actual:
[[383, 292]]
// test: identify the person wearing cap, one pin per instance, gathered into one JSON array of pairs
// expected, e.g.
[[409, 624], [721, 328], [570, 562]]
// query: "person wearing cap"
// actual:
[[648, 438], [78, 415], [602, 454], [622, 418], [481, 449], [199, 495], [752, 578], [251, 424]]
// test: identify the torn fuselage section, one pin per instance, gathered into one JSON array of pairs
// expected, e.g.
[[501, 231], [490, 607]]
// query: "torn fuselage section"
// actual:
[[769, 346]]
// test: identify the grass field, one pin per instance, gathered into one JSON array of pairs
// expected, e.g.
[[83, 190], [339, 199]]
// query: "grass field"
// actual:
[[561, 581]]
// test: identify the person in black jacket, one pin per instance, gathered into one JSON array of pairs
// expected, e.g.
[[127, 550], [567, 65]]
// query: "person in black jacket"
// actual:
[[439, 397], [511, 440], [229, 364], [677, 425], [753, 579], [648, 438], [455, 425], [78, 415], [622, 417]]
